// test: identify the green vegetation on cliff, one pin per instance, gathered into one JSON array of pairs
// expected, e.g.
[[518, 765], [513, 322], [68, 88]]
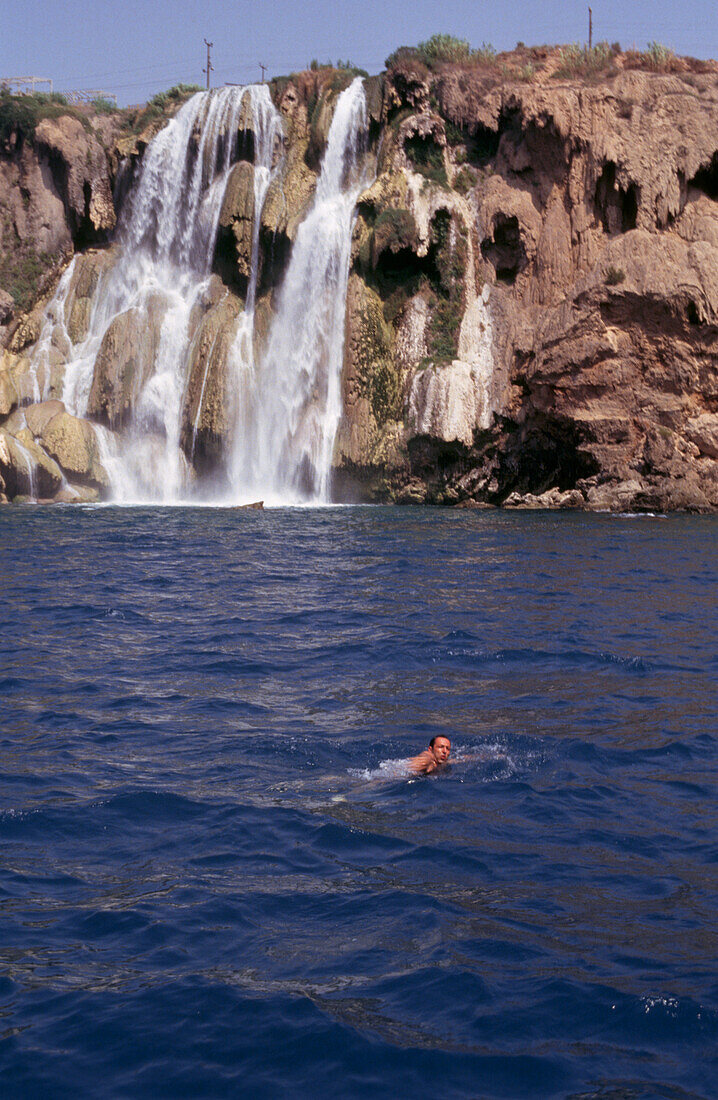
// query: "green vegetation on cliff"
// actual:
[[441, 49], [21, 269], [163, 105], [20, 114]]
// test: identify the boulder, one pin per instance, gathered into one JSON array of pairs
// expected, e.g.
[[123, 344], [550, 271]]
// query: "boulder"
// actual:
[[26, 469], [703, 432], [72, 442], [37, 417]]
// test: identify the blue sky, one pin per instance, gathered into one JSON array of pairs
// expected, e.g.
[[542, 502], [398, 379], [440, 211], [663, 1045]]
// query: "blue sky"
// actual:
[[135, 48]]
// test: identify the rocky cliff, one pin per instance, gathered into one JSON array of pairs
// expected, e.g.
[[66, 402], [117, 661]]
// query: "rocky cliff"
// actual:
[[532, 313]]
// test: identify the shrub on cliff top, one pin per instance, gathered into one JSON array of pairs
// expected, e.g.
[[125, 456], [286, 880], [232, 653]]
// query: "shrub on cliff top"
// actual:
[[175, 94], [20, 114], [104, 106], [584, 61], [441, 49], [658, 59]]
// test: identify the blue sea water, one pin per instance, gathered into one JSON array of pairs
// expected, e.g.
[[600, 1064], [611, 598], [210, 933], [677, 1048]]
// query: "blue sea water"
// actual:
[[216, 878]]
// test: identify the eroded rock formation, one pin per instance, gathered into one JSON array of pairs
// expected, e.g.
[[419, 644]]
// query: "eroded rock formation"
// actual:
[[532, 312]]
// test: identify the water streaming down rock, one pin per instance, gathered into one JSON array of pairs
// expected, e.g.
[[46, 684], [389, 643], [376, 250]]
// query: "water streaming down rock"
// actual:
[[289, 404], [166, 243]]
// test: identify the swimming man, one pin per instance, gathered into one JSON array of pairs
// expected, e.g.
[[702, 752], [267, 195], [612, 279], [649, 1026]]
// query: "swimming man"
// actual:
[[436, 756]]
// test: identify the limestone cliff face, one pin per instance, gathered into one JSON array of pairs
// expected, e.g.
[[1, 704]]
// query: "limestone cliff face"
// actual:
[[580, 224], [532, 312], [55, 196]]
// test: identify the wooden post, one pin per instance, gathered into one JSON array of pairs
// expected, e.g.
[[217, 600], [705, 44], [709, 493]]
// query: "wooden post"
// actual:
[[590, 29], [209, 68]]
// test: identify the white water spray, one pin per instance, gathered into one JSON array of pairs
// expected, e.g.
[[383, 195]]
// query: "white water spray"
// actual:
[[289, 404], [166, 242]]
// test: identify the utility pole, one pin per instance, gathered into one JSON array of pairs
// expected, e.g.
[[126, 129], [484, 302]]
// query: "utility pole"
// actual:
[[590, 29], [210, 67], [264, 69]]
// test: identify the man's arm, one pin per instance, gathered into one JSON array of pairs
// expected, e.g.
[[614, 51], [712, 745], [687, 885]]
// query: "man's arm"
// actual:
[[424, 763]]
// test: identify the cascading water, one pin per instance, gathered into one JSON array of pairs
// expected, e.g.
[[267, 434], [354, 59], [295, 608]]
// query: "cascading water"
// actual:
[[289, 404], [166, 242]]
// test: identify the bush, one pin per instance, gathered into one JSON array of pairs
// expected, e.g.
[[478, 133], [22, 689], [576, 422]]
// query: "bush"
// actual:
[[577, 60], [174, 95], [394, 229], [659, 57], [614, 276], [486, 54], [350, 67], [20, 114], [104, 106], [443, 47], [402, 56]]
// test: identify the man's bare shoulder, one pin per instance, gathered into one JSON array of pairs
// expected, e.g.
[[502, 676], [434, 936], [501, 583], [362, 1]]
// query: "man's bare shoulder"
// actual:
[[423, 763]]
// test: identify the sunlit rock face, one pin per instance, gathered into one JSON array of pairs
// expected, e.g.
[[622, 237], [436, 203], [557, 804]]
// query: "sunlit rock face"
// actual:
[[457, 286]]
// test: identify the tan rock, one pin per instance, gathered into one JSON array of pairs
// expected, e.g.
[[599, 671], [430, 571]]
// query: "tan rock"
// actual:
[[703, 432], [87, 271], [85, 182], [72, 442], [290, 193], [37, 417], [125, 362], [209, 402], [237, 214], [25, 468]]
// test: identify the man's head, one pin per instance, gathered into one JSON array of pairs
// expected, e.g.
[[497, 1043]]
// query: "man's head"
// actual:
[[441, 748]]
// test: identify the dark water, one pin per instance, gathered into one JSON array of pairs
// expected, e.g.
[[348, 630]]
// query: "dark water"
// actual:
[[213, 880]]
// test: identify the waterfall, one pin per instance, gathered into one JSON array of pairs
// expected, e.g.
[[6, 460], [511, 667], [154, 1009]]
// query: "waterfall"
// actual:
[[289, 403], [165, 243], [281, 408]]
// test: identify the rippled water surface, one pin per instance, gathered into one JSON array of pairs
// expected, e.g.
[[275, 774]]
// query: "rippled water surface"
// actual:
[[216, 878]]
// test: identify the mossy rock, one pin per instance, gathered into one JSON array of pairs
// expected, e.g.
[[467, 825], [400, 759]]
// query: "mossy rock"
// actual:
[[379, 380], [370, 432]]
